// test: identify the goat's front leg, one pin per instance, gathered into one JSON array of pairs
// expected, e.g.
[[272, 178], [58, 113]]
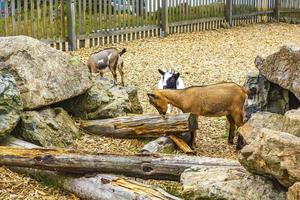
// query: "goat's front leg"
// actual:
[[114, 73]]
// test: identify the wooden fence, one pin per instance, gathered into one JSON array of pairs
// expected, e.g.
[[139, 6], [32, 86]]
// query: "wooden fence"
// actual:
[[71, 24], [290, 11]]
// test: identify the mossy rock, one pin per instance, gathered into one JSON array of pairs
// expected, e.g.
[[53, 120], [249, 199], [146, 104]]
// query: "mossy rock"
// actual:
[[48, 127], [104, 100], [10, 104]]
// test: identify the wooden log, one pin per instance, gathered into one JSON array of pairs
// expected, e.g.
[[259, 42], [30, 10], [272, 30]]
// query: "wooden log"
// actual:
[[144, 166], [100, 186], [164, 144], [142, 126], [181, 144]]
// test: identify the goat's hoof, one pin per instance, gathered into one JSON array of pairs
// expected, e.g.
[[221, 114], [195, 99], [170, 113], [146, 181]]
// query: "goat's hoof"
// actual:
[[230, 142], [238, 147]]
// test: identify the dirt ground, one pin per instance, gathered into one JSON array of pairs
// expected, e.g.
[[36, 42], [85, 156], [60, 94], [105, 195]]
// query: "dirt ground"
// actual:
[[201, 58]]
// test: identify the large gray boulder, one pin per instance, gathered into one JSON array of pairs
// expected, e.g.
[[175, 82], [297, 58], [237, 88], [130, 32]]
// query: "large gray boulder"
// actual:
[[219, 183], [282, 68], [10, 104], [289, 122], [104, 100], [48, 127], [273, 153], [43, 74]]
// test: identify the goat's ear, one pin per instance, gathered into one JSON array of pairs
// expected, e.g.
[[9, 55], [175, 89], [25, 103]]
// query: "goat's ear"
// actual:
[[151, 96], [177, 75], [161, 72]]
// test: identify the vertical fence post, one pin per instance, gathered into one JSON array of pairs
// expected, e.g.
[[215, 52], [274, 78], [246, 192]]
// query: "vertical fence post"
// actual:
[[277, 9], [71, 25], [229, 12], [164, 14]]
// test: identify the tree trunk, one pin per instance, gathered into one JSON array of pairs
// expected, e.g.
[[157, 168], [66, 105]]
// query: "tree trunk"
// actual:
[[142, 126], [144, 166], [100, 186]]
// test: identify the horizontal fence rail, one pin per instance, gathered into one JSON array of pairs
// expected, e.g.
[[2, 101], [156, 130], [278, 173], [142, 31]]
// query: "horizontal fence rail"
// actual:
[[290, 11], [71, 24]]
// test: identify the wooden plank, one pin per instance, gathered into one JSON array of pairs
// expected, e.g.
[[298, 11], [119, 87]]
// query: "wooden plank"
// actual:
[[51, 17], [181, 144], [150, 12], [154, 11], [110, 15], [45, 18], [32, 17], [133, 16], [115, 15], [26, 17], [6, 17], [119, 15], [137, 8], [105, 16], [100, 15], [90, 17], [13, 22], [108, 33], [63, 27], [38, 18], [288, 10], [254, 13], [187, 22], [165, 21], [229, 12], [57, 18], [83, 17], [72, 45], [95, 14]]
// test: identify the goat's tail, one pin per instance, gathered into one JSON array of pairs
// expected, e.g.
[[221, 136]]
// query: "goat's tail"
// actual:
[[122, 52]]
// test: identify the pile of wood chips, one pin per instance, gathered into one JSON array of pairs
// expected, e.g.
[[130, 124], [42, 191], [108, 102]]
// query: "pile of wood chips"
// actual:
[[201, 58]]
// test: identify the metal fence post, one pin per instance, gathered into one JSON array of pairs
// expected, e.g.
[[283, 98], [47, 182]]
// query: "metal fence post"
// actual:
[[229, 12], [164, 14], [71, 25], [277, 9]]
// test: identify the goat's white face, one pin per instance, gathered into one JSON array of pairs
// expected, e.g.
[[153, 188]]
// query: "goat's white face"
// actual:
[[170, 80]]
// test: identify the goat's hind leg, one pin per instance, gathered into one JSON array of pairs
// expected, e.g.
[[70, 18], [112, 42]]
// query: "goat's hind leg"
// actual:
[[239, 121], [121, 74], [231, 129]]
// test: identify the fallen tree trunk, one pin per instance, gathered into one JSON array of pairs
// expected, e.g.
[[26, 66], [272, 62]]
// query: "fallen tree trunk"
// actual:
[[144, 166], [141, 126], [100, 186], [164, 144]]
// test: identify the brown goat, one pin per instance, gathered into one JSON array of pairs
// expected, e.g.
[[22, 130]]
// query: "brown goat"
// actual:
[[105, 60], [212, 101]]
